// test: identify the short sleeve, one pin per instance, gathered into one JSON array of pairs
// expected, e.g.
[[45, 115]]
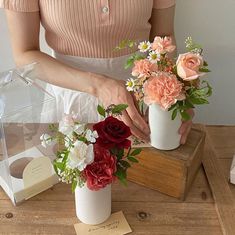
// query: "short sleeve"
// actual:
[[161, 4], [20, 5]]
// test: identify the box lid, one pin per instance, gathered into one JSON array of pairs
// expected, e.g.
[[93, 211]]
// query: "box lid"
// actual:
[[20, 90]]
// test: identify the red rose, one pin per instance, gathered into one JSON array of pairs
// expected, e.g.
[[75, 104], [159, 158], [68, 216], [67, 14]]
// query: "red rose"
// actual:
[[113, 133], [100, 173]]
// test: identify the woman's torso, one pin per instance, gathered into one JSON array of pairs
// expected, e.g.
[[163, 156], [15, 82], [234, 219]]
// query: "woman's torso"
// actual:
[[93, 28]]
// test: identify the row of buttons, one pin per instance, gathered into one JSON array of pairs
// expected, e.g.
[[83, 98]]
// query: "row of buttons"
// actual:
[[105, 9]]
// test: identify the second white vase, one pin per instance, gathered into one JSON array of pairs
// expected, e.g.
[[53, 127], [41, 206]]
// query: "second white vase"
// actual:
[[93, 207], [164, 131]]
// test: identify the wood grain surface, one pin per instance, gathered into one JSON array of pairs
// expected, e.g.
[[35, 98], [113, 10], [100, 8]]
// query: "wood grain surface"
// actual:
[[218, 180], [170, 172], [147, 211]]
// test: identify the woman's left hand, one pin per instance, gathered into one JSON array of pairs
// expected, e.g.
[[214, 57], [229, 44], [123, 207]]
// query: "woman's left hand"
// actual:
[[186, 127]]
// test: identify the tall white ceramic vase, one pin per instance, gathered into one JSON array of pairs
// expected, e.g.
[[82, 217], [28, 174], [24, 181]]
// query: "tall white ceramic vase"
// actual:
[[93, 207], [164, 130]]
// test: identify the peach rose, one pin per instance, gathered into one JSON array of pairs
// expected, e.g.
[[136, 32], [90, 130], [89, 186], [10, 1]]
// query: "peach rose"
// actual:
[[163, 45], [188, 66], [143, 68], [163, 89]]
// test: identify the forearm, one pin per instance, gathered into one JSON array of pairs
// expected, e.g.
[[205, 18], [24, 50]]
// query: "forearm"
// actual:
[[59, 74]]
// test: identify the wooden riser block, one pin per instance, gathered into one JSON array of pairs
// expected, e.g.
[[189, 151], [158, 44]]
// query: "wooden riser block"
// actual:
[[170, 172]]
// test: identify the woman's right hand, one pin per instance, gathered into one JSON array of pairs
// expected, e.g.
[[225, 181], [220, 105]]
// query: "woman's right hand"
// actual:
[[111, 91]]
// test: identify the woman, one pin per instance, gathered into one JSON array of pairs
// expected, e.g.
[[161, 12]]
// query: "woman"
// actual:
[[83, 33]]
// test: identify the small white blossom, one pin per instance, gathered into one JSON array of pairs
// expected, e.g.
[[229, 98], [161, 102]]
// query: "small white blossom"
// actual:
[[154, 57], [66, 125], [130, 84], [91, 136], [189, 42], [79, 128], [46, 140], [144, 46], [80, 155]]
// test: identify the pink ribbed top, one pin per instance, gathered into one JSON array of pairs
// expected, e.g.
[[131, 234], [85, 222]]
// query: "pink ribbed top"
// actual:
[[91, 28]]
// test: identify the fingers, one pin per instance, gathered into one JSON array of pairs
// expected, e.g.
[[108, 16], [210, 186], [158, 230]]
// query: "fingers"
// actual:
[[146, 116], [186, 132], [186, 127], [135, 131], [137, 119]]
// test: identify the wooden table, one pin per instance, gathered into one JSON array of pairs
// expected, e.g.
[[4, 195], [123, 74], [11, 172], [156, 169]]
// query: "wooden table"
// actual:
[[148, 212]]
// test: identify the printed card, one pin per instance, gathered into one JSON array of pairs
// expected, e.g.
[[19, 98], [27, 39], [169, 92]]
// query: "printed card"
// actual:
[[115, 225]]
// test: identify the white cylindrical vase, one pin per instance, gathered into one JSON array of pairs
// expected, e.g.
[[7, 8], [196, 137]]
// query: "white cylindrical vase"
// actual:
[[93, 207], [164, 131]]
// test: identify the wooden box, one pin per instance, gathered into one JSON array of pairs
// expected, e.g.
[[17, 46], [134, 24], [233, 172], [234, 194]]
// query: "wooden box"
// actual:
[[170, 172]]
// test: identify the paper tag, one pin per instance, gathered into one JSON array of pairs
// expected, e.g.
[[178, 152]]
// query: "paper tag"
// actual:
[[115, 225], [37, 170], [137, 143]]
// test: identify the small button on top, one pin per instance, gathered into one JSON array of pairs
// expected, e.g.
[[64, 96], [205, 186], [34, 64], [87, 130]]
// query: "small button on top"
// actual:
[[105, 9]]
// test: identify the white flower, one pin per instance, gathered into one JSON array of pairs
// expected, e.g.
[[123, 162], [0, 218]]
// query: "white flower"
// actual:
[[130, 84], [80, 155], [66, 125], [79, 128], [144, 46], [154, 57], [91, 136], [46, 140]]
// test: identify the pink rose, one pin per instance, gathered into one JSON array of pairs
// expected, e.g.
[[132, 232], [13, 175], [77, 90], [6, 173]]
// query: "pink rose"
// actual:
[[143, 68], [101, 172], [188, 66], [163, 45], [163, 89]]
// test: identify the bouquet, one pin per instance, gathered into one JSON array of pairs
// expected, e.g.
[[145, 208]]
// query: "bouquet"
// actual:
[[92, 155], [175, 85]]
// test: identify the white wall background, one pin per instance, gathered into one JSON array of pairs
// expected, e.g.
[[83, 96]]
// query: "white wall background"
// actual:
[[212, 24]]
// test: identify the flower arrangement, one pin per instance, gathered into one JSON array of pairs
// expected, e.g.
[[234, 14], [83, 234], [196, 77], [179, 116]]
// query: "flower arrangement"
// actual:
[[92, 155], [174, 85]]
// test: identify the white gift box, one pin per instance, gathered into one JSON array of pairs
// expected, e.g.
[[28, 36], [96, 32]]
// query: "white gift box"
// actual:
[[232, 171], [25, 166]]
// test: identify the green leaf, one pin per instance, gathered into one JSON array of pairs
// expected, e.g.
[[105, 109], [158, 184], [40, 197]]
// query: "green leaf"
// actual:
[[204, 70], [198, 101], [120, 153], [185, 116], [136, 152], [55, 168], [205, 64], [189, 104], [132, 159], [83, 139], [209, 88], [125, 44], [59, 165], [66, 154], [174, 114], [125, 164], [173, 106], [121, 175], [74, 185], [119, 108], [101, 110], [129, 63]]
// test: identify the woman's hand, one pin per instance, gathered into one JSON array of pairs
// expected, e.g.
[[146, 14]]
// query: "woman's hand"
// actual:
[[186, 127], [110, 91]]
